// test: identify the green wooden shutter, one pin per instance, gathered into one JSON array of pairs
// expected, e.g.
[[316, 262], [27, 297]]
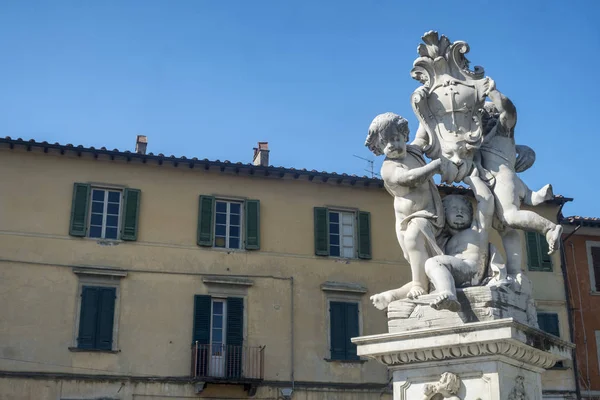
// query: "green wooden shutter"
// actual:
[[106, 317], [202, 313], [596, 267], [252, 224], [364, 235], [205, 220], [321, 231], [538, 258], [549, 323], [131, 207], [235, 336], [545, 259], [337, 330], [79, 209], [88, 316], [351, 330]]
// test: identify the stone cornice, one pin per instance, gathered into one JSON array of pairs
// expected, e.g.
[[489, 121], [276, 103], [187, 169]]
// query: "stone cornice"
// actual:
[[505, 338]]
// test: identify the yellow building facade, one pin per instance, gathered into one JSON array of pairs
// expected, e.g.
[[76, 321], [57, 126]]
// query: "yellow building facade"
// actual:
[[137, 276]]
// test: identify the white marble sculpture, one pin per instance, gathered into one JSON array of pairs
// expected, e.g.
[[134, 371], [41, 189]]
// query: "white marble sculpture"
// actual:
[[467, 140]]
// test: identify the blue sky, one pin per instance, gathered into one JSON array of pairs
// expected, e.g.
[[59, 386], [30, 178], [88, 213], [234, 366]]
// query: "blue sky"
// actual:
[[209, 79]]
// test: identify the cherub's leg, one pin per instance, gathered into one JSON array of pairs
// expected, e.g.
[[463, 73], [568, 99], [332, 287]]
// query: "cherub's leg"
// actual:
[[511, 241], [382, 300], [536, 198], [414, 243], [509, 190], [438, 271]]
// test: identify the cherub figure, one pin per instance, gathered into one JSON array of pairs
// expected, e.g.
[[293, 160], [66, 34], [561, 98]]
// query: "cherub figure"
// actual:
[[466, 259], [499, 160], [417, 204]]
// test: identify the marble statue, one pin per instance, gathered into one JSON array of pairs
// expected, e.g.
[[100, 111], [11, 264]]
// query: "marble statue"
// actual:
[[446, 388], [469, 140]]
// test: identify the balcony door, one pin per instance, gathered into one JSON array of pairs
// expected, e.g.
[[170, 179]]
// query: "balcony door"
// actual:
[[217, 338]]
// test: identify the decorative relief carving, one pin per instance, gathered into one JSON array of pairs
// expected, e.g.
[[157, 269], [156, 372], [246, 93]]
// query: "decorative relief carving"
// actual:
[[518, 392], [512, 350], [446, 388]]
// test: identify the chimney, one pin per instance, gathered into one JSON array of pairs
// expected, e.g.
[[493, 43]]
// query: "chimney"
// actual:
[[140, 144], [261, 154]]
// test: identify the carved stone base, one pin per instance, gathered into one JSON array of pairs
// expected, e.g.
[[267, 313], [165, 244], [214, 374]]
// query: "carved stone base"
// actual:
[[491, 360], [481, 303]]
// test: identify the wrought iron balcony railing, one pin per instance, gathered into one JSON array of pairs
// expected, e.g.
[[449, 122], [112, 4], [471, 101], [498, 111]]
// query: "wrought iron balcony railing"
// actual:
[[227, 363]]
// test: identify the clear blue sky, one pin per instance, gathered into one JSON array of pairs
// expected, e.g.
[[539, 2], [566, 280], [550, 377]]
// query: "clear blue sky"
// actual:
[[210, 79]]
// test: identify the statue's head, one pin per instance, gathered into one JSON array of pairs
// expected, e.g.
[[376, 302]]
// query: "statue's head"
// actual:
[[388, 134], [489, 116], [458, 210]]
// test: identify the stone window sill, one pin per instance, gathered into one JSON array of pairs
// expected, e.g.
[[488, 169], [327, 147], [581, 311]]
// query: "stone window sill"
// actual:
[[357, 361], [78, 350]]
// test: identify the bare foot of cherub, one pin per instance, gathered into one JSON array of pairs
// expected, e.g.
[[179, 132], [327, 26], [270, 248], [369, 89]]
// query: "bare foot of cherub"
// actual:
[[382, 300], [446, 301], [415, 291], [542, 195], [553, 238]]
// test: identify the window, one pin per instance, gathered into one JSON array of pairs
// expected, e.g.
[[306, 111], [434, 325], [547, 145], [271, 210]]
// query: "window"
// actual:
[[548, 322], [345, 234], [538, 258], [593, 253], [218, 335], [229, 224], [104, 213], [96, 318], [343, 325]]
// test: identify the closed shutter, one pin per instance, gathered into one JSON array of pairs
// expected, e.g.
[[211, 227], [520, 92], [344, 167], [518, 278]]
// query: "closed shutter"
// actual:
[[131, 207], [538, 258], [337, 330], [79, 209], [351, 330], [88, 316], [596, 267], [364, 235], [549, 323], [106, 317], [321, 231], [252, 224], [205, 220], [235, 336]]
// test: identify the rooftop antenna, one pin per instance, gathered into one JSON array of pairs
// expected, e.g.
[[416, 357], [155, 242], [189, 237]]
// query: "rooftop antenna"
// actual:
[[371, 169]]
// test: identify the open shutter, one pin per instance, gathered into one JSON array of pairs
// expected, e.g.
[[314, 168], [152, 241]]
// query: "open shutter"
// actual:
[[235, 336], [351, 330], [201, 333], [131, 206], [106, 317], [79, 209], [252, 224], [321, 231], [533, 254], [88, 317], [205, 220], [337, 330], [364, 235], [596, 267]]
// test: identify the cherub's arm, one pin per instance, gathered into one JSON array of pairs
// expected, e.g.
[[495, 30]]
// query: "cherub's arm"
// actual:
[[485, 203], [508, 111], [416, 176]]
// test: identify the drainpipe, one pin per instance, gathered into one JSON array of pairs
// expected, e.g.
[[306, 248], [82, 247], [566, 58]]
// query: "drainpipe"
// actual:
[[563, 267], [292, 335]]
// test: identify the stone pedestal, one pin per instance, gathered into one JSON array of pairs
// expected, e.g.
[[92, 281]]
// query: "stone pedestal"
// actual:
[[475, 354]]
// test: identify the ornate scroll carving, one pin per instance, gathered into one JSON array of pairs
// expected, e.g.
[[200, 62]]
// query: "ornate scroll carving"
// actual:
[[446, 388]]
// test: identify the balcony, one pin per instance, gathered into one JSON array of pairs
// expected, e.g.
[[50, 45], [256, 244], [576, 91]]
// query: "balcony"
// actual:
[[228, 364]]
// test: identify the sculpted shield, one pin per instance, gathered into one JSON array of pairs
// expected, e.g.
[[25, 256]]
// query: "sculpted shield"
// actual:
[[449, 102]]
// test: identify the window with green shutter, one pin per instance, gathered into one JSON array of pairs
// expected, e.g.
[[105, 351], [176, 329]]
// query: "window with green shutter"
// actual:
[[549, 323], [228, 224], [343, 326], [104, 213], [96, 318], [344, 234], [538, 258]]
